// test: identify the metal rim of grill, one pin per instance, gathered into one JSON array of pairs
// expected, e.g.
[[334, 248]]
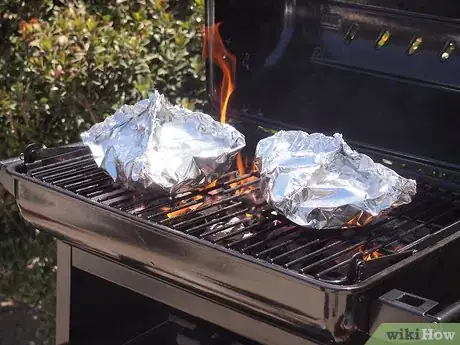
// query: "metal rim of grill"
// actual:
[[225, 215]]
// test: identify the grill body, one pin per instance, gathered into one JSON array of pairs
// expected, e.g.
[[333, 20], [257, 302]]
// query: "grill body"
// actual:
[[301, 302], [381, 72]]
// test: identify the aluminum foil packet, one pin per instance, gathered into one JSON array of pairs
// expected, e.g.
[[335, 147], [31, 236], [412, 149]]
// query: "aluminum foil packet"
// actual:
[[318, 181], [156, 146]]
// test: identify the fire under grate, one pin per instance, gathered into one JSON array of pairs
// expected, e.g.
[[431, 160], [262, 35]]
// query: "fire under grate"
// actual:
[[232, 213]]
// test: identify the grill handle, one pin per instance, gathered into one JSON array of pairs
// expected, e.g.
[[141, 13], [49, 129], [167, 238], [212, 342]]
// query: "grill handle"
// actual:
[[449, 314], [400, 306]]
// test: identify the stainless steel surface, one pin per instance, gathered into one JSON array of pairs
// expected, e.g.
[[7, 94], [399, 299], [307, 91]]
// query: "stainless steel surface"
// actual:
[[220, 273], [252, 273], [154, 287], [318, 181], [155, 145], [183, 259]]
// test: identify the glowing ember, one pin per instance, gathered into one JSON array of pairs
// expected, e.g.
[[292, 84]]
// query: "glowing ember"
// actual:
[[242, 183], [227, 63], [370, 256], [183, 210], [211, 185], [243, 169]]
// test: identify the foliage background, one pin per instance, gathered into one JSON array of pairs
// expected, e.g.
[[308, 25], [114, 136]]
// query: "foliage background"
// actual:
[[65, 65]]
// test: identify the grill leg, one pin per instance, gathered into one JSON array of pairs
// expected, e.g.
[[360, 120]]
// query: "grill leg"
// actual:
[[64, 261]]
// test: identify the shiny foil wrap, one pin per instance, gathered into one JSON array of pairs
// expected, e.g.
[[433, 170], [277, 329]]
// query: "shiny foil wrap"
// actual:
[[156, 146], [318, 181], [233, 226]]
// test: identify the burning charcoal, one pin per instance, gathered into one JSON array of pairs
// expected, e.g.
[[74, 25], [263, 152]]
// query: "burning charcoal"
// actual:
[[234, 225], [154, 145], [319, 182]]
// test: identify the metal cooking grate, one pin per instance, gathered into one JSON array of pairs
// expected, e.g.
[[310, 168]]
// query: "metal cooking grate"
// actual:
[[232, 213]]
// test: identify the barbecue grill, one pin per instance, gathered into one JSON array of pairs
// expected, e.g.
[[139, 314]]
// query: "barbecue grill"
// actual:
[[218, 265]]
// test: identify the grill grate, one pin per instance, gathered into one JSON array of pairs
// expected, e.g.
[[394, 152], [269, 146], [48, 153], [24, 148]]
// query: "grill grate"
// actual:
[[232, 213]]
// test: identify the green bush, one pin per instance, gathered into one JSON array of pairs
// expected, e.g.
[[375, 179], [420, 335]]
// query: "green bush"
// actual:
[[65, 65], [62, 73]]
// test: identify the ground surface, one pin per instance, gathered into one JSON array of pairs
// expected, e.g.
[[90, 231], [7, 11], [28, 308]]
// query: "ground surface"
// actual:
[[18, 325]]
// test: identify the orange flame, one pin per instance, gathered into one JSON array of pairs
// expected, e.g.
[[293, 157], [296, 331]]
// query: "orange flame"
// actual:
[[181, 211], [213, 43], [184, 210], [370, 256], [243, 182], [243, 169], [214, 46], [360, 219], [239, 163], [211, 185]]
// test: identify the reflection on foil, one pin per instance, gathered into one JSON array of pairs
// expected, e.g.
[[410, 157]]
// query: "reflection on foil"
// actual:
[[318, 181], [154, 145]]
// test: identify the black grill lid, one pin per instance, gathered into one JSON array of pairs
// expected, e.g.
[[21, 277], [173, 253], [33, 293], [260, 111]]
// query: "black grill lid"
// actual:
[[384, 73]]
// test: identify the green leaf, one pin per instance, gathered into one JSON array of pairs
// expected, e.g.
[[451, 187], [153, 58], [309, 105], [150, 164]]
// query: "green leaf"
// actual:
[[91, 24], [137, 16], [46, 43], [99, 49]]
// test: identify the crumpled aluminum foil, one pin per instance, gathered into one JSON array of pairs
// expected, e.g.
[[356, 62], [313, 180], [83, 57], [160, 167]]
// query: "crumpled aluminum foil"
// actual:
[[318, 181], [233, 226], [154, 145]]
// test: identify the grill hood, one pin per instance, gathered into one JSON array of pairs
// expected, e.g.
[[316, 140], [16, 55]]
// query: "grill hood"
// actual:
[[383, 73]]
